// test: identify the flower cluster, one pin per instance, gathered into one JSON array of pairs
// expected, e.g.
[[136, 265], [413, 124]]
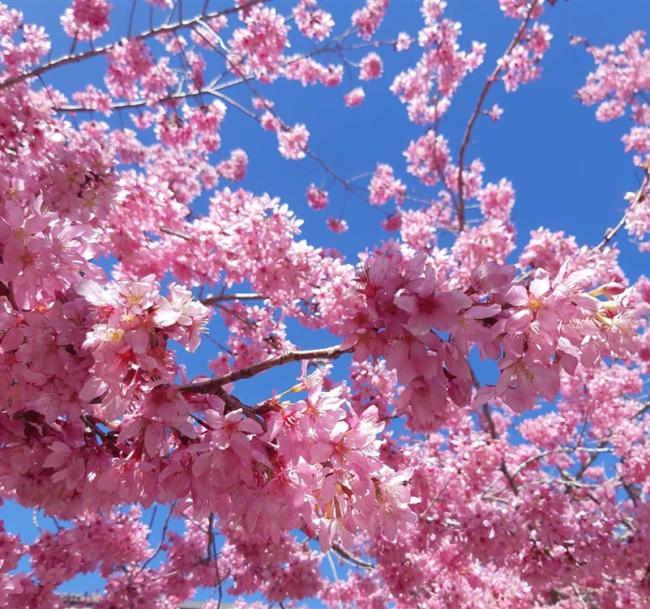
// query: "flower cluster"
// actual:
[[534, 329], [620, 83]]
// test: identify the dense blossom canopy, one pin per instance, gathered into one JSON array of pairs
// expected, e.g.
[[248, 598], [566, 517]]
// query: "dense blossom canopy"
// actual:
[[390, 473]]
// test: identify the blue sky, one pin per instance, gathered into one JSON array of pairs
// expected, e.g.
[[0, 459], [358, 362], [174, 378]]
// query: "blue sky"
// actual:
[[569, 172]]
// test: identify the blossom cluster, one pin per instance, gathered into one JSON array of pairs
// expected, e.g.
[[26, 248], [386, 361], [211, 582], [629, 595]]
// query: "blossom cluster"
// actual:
[[535, 329]]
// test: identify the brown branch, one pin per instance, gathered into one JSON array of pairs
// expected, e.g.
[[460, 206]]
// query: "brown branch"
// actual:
[[169, 231], [168, 28], [491, 79], [235, 104], [522, 466], [7, 292], [232, 403], [215, 385], [641, 411], [494, 435], [579, 596], [632, 492], [570, 483], [163, 536], [108, 439], [213, 554], [201, 422], [435, 498], [610, 233], [587, 464], [131, 16], [351, 558], [211, 300], [136, 103]]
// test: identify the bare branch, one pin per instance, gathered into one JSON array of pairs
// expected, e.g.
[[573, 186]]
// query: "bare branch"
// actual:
[[129, 32], [215, 385], [169, 231], [587, 464], [163, 535], [494, 435], [641, 410], [351, 558], [214, 554], [210, 300], [235, 104], [491, 79], [610, 233], [137, 103]]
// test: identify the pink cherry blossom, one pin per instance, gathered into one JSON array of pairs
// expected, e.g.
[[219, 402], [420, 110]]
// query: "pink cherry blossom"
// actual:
[[355, 97], [371, 67], [337, 225], [317, 198], [292, 142]]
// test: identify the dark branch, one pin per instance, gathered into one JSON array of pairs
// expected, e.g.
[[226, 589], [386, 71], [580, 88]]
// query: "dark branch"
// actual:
[[215, 385], [491, 79]]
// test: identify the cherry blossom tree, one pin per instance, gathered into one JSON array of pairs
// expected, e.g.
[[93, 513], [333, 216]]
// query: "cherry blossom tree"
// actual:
[[393, 472]]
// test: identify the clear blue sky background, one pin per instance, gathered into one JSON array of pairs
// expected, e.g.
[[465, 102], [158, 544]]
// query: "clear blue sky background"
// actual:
[[570, 172]]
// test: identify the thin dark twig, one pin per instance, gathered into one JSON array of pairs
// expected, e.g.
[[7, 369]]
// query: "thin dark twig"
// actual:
[[154, 512], [212, 552], [233, 403], [489, 82], [494, 435], [610, 233], [169, 231], [131, 16], [162, 540]]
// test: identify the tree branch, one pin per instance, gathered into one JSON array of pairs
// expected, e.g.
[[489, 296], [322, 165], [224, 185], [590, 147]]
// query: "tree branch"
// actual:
[[233, 403], [211, 300], [588, 463], [136, 103], [491, 79], [169, 231], [610, 233], [215, 385], [351, 558], [502, 466]]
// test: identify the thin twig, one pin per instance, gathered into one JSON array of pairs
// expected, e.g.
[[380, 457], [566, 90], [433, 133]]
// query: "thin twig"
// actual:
[[35, 521], [136, 103], [131, 16], [587, 464], [491, 79], [163, 534], [610, 233], [494, 435], [641, 411], [212, 553]]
